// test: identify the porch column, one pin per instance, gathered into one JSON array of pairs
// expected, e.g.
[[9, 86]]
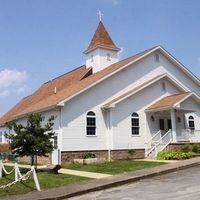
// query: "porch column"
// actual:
[[110, 132], [173, 120]]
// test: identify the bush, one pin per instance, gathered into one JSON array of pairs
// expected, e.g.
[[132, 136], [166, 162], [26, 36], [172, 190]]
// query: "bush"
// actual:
[[196, 148], [131, 151], [174, 155], [89, 155], [186, 148]]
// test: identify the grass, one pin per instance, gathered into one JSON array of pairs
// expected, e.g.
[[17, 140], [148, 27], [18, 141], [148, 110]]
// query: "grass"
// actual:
[[46, 180], [115, 167]]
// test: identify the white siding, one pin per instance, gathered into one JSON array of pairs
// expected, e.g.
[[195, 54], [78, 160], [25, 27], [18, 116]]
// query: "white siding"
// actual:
[[123, 138]]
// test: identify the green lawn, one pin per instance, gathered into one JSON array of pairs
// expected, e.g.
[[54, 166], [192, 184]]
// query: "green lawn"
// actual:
[[46, 180], [115, 167]]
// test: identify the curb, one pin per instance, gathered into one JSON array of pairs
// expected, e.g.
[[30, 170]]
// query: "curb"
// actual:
[[106, 183], [119, 183]]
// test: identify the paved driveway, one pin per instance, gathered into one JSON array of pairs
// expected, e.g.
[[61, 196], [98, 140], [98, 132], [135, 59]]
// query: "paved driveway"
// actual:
[[181, 185]]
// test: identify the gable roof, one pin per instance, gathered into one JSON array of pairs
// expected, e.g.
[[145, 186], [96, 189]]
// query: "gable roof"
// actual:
[[47, 90], [73, 86], [169, 101], [101, 38], [140, 87]]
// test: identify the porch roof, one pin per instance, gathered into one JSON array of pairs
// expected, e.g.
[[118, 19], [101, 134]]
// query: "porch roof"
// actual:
[[171, 101]]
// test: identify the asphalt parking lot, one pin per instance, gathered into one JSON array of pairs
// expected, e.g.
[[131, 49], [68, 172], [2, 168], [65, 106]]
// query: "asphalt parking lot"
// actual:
[[181, 185]]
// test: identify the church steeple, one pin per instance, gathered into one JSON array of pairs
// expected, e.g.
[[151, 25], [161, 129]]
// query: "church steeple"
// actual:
[[102, 39], [101, 51]]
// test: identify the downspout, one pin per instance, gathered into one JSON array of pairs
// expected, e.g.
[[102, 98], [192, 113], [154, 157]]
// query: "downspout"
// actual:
[[110, 133], [60, 132]]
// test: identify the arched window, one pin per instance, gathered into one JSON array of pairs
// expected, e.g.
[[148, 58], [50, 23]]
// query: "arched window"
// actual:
[[135, 126], [91, 123], [191, 122]]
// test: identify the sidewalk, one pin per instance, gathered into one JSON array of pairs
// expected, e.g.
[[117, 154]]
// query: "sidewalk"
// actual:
[[105, 183], [84, 173]]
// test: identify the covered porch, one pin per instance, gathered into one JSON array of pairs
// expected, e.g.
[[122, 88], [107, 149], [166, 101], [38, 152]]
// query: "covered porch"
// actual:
[[178, 113]]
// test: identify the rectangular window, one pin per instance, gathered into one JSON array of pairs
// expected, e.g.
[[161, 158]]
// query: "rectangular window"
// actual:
[[162, 124], [135, 126], [91, 126], [191, 124], [55, 142], [1, 137]]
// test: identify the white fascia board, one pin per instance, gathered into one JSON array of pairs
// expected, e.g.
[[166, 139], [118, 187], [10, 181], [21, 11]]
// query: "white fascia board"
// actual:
[[134, 92], [180, 65], [37, 111], [189, 95], [159, 109], [61, 103], [180, 86]]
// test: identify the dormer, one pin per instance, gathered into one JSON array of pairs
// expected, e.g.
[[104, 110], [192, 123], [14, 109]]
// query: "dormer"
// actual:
[[101, 51]]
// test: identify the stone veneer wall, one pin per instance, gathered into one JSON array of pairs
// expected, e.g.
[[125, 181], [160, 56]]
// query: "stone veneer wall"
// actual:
[[40, 160], [68, 156], [177, 146]]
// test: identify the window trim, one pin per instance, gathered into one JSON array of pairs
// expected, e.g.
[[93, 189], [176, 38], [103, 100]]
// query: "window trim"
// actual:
[[135, 115], [91, 114], [108, 57], [191, 119]]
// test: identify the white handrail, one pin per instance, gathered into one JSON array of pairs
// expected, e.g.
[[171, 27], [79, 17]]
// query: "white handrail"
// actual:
[[157, 133], [159, 141]]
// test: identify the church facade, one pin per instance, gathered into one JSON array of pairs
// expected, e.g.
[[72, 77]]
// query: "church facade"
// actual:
[[116, 109]]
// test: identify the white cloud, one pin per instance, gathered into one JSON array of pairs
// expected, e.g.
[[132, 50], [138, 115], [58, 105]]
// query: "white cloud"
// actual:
[[12, 81], [12, 77]]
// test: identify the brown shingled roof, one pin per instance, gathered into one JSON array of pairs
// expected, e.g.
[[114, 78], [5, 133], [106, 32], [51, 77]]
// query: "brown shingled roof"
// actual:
[[101, 38], [168, 101], [67, 85]]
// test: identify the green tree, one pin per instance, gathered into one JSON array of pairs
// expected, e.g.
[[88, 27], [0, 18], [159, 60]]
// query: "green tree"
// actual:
[[32, 140]]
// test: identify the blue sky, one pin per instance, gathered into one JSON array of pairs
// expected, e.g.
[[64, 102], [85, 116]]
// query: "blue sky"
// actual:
[[41, 39]]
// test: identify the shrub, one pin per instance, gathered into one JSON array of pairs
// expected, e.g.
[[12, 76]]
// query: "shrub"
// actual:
[[174, 155], [89, 155], [186, 148], [196, 148], [131, 151]]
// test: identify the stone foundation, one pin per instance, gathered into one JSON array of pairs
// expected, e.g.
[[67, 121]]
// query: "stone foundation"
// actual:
[[177, 146], [69, 156], [40, 160], [127, 154]]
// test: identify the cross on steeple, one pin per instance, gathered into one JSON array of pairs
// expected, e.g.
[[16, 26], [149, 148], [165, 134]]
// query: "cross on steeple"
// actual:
[[100, 15]]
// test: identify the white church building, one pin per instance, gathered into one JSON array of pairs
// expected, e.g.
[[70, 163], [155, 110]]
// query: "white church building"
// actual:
[[116, 109]]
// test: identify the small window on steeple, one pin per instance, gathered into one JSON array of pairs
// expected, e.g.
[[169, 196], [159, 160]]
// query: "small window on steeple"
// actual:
[[92, 58], [108, 57]]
